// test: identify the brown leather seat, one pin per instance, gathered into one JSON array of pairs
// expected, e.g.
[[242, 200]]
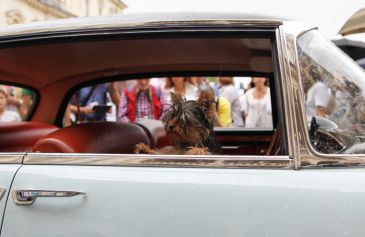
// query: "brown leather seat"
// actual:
[[93, 137], [21, 136], [155, 131]]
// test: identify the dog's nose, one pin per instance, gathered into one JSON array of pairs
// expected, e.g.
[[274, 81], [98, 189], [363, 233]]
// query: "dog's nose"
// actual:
[[171, 127]]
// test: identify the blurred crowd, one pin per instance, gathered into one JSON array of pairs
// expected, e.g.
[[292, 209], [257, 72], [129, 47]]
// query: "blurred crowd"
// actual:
[[127, 101], [15, 103]]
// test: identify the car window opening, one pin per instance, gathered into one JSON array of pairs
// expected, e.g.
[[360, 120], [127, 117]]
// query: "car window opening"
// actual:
[[229, 110]]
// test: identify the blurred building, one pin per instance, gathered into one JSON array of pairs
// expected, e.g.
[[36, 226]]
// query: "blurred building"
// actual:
[[22, 11]]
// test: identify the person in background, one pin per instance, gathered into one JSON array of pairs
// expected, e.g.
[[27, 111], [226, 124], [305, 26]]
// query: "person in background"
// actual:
[[28, 98], [222, 107], [198, 81], [181, 85], [85, 99], [158, 82], [6, 115], [142, 101], [227, 90], [256, 104], [13, 102], [317, 93], [116, 89]]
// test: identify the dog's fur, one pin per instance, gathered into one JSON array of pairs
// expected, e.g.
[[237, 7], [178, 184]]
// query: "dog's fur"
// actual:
[[189, 127]]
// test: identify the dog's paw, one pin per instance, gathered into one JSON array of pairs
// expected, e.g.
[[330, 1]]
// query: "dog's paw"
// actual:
[[142, 148], [198, 151]]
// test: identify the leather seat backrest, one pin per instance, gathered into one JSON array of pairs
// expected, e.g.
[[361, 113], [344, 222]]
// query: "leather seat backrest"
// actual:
[[155, 131], [21, 136], [93, 137]]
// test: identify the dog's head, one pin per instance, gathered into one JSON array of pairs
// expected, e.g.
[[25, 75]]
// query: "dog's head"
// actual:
[[190, 122]]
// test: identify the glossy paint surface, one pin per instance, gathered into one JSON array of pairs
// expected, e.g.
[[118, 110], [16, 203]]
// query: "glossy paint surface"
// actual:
[[7, 172], [145, 201]]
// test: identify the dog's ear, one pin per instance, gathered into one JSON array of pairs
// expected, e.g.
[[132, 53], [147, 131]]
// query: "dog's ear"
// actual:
[[176, 98], [206, 100]]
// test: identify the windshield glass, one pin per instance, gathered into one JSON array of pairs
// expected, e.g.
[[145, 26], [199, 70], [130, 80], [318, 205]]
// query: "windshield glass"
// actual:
[[334, 89]]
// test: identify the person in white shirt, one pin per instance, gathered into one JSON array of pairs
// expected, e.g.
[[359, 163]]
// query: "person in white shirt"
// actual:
[[317, 93], [256, 104], [181, 85], [6, 115], [317, 99]]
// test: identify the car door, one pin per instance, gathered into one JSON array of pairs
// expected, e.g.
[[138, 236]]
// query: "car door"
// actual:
[[183, 201], [153, 201], [9, 165], [17, 136]]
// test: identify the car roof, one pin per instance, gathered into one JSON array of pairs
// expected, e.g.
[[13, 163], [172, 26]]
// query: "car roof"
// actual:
[[136, 20]]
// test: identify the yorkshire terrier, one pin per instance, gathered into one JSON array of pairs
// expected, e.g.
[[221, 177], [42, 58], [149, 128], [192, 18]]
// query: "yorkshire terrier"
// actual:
[[189, 127]]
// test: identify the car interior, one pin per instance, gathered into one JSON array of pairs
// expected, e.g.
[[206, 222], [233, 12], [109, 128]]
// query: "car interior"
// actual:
[[55, 70]]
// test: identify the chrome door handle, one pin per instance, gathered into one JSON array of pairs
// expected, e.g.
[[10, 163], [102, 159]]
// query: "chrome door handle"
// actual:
[[27, 197]]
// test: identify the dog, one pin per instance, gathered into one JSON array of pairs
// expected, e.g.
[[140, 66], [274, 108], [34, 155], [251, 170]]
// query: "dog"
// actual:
[[189, 126]]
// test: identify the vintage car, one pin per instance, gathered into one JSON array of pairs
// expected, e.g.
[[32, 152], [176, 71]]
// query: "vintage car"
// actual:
[[301, 176]]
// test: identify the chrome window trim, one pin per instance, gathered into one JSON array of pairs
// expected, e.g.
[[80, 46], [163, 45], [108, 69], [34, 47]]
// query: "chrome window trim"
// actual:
[[139, 26], [295, 102], [182, 161], [12, 158], [285, 84], [286, 35], [138, 21], [177, 161]]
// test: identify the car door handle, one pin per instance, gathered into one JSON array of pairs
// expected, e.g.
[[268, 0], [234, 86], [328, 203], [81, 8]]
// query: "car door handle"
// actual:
[[27, 197]]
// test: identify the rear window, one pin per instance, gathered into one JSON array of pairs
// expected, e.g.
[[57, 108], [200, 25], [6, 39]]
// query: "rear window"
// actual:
[[234, 102], [16, 103]]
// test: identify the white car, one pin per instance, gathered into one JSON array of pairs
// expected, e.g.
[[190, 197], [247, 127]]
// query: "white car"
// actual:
[[297, 177]]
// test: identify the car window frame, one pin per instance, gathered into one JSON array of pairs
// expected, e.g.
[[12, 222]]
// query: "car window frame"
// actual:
[[307, 156], [267, 31]]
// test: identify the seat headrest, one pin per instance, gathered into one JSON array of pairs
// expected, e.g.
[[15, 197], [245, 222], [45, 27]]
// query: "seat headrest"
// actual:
[[21, 136], [93, 137], [155, 131]]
